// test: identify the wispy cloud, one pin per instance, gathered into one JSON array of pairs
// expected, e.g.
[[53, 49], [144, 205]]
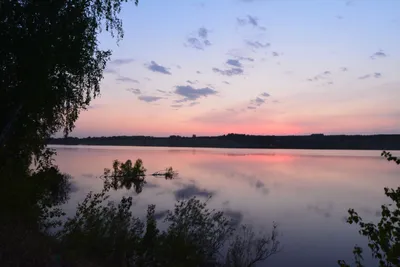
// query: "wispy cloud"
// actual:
[[203, 33], [190, 93], [121, 61], [194, 104], [192, 82], [176, 106], [165, 93], [110, 70], [134, 91], [154, 67], [379, 54], [239, 55], [234, 62], [258, 101], [126, 79], [364, 77], [250, 20], [257, 44], [225, 82], [344, 69], [265, 94], [322, 76], [199, 40], [198, 72], [375, 75], [149, 99], [229, 72]]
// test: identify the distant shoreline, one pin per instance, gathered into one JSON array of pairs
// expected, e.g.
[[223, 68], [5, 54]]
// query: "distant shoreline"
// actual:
[[314, 141]]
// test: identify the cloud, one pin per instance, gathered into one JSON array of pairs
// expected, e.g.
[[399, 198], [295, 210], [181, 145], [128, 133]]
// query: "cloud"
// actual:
[[250, 107], [110, 70], [245, 58], [225, 82], [126, 79], [198, 72], [250, 20], [192, 82], [195, 43], [162, 91], [134, 91], [364, 77], [203, 33], [339, 17], [238, 55], [379, 54], [193, 104], [344, 69], [265, 94], [321, 76], [275, 54], [176, 106], [234, 62], [375, 75], [154, 67], [148, 98], [147, 78], [199, 40], [257, 44], [121, 61], [258, 101], [190, 93], [229, 72]]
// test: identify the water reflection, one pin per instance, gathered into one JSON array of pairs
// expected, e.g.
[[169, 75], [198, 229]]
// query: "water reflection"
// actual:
[[191, 190], [307, 192]]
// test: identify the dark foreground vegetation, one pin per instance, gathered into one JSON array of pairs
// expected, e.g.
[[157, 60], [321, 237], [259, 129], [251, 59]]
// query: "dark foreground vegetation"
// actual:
[[317, 141], [50, 69]]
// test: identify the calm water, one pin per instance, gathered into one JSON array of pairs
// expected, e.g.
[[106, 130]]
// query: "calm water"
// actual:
[[307, 192]]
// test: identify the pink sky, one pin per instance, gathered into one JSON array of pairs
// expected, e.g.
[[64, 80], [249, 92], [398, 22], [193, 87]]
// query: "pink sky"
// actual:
[[248, 67]]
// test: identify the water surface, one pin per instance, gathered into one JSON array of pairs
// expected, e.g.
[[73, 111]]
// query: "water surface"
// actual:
[[307, 192]]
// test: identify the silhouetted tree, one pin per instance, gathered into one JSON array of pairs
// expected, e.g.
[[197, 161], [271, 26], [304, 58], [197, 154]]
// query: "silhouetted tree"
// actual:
[[50, 68], [383, 237]]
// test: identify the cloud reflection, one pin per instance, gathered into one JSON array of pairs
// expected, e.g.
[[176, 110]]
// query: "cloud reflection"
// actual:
[[192, 190]]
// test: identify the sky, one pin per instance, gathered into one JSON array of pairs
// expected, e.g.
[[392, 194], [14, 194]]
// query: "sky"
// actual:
[[270, 67]]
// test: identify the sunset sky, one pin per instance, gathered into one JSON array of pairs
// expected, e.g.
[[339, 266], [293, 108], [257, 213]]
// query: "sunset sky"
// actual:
[[251, 66]]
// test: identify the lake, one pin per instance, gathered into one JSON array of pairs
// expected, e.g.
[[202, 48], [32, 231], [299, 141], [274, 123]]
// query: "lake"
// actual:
[[306, 192]]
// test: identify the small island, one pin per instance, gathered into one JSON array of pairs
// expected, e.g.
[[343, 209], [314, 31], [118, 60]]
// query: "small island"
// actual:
[[313, 141]]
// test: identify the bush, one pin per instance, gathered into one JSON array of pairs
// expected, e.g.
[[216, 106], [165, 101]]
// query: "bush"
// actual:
[[108, 234], [383, 237]]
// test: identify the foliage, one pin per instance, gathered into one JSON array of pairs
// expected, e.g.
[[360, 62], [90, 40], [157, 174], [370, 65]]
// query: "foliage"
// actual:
[[383, 237], [51, 67], [108, 233], [247, 249], [125, 175]]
